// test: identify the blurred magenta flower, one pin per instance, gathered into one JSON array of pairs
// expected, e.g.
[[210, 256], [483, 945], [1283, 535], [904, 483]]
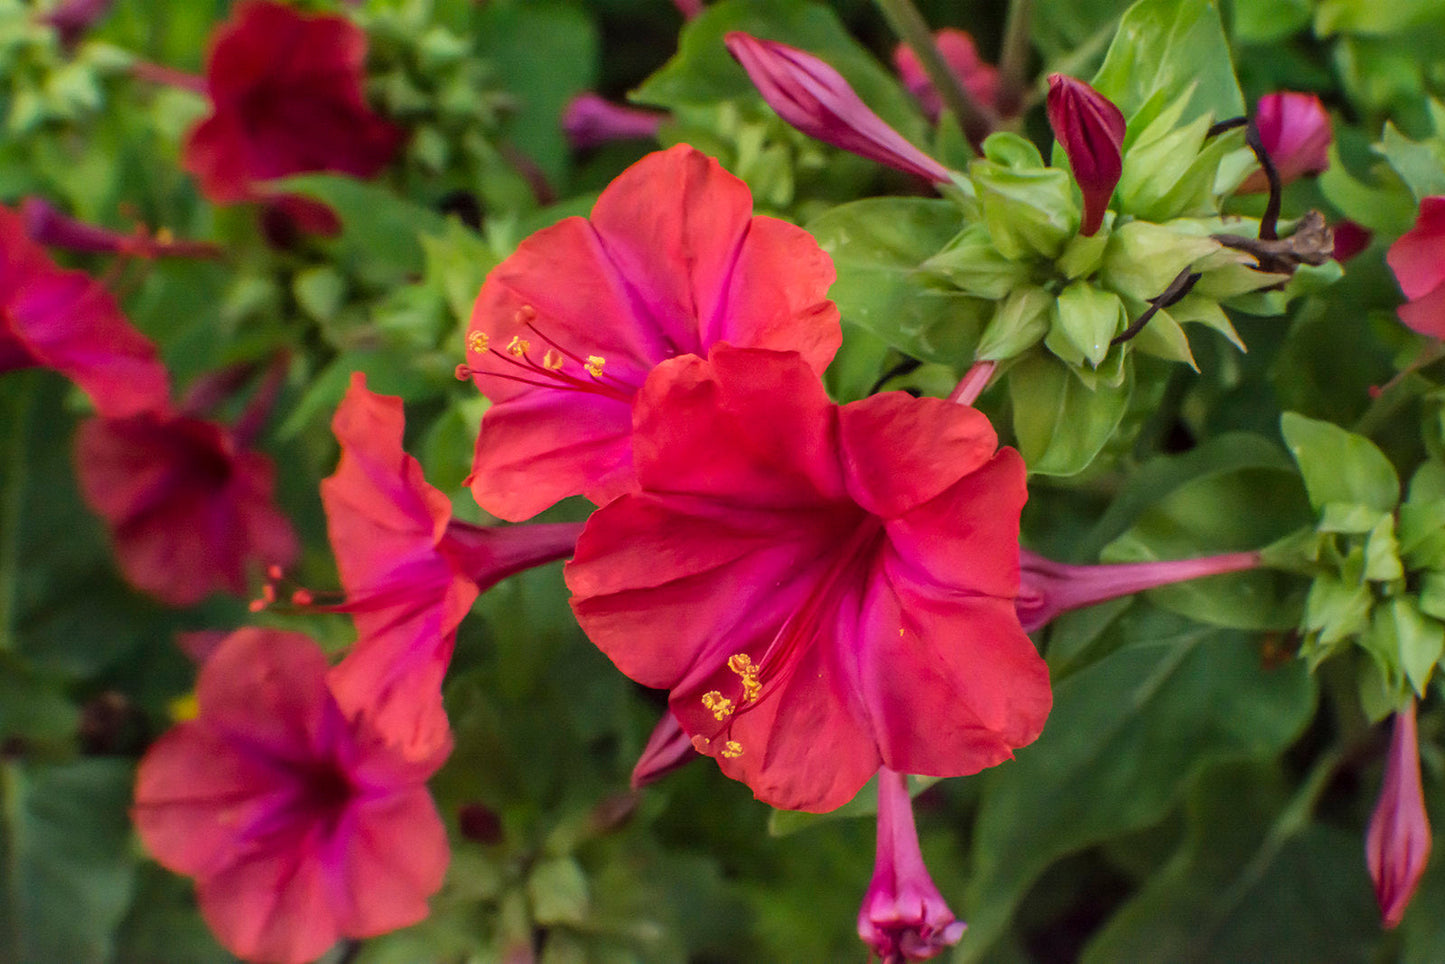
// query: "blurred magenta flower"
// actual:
[[1418, 260], [47, 225], [72, 18], [1047, 589], [299, 825], [903, 917], [1091, 131], [814, 98], [566, 329], [1295, 131], [188, 507], [1350, 239], [1397, 845], [956, 46], [591, 120], [286, 98], [66, 321], [825, 589], [411, 573]]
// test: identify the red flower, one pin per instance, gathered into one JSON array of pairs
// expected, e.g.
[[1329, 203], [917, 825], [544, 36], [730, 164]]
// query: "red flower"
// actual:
[[566, 329], [299, 825], [1091, 131], [980, 79], [186, 505], [903, 917], [1295, 131], [825, 589], [813, 97], [1418, 260], [1397, 845], [286, 98], [410, 573], [64, 320]]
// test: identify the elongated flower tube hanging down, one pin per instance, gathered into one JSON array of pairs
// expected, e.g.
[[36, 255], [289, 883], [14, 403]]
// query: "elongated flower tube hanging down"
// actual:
[[1397, 844], [825, 589], [47, 225], [813, 97], [591, 120], [299, 825], [1091, 131], [903, 917], [566, 329], [411, 572]]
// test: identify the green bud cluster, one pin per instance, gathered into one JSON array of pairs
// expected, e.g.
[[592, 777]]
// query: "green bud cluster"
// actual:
[[1377, 563], [44, 84]]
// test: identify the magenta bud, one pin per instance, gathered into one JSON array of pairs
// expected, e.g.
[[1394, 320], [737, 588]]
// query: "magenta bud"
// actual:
[[1397, 844], [1295, 131], [1091, 130], [591, 120], [814, 98], [668, 748]]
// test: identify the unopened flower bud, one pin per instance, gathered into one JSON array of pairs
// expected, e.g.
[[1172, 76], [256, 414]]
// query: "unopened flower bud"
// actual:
[[1295, 131], [1397, 845], [1091, 130]]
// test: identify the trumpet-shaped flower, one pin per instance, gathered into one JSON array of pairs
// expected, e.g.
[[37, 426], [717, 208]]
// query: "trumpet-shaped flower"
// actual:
[[299, 825], [1418, 260], [565, 330], [411, 573], [1397, 845], [1091, 130], [903, 917], [64, 320], [825, 589]]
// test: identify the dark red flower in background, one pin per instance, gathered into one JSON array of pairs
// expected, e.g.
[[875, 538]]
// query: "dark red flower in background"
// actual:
[[286, 98], [299, 825], [825, 589], [957, 48], [66, 321], [565, 330], [1295, 131], [410, 572], [1418, 260], [1091, 131], [189, 508]]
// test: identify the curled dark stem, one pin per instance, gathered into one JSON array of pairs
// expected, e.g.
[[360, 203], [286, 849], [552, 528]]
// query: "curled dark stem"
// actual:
[[904, 367], [1182, 284], [1311, 243], [1269, 224], [1226, 125]]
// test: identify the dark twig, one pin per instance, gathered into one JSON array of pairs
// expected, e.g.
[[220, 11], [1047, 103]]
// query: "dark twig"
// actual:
[[1181, 285], [1269, 224], [1226, 125], [1311, 243]]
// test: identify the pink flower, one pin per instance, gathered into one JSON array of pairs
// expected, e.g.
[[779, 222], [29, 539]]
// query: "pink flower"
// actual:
[[1418, 260], [299, 825], [1047, 589], [188, 507], [1295, 131], [903, 917], [410, 572], [1091, 131], [814, 98], [286, 98], [980, 79], [64, 320], [591, 120], [1397, 845], [825, 589], [567, 328], [72, 18]]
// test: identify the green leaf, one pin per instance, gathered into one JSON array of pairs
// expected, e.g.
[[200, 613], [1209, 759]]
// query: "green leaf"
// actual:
[[1029, 209], [1088, 318], [68, 868], [1340, 466], [558, 891], [1060, 424], [1421, 641], [1124, 738], [1420, 164], [1372, 16], [1172, 46]]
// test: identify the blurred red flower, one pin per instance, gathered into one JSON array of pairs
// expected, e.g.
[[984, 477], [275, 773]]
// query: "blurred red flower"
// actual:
[[825, 589], [188, 507], [1295, 131], [565, 330], [286, 98], [1418, 260], [980, 79], [66, 321], [299, 825]]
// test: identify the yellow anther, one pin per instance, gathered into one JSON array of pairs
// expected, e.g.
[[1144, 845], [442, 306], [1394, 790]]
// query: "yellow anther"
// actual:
[[743, 665], [720, 705], [518, 346], [700, 743], [525, 315], [594, 365], [553, 360], [479, 342], [732, 749], [185, 707], [900, 632]]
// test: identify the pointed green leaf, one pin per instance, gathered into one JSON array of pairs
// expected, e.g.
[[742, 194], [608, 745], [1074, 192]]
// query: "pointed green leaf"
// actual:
[[1340, 466]]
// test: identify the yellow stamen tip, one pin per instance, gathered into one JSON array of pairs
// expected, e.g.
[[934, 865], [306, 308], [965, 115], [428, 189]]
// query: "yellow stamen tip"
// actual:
[[518, 346], [525, 315], [721, 706], [594, 365], [479, 342], [552, 361], [732, 749], [185, 707]]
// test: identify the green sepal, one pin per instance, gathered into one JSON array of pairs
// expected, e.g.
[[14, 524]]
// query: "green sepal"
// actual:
[[974, 266], [1088, 318], [1350, 518], [1335, 610], [1431, 598], [1029, 209], [1059, 422], [1083, 255], [1382, 553], [1018, 324], [1420, 640], [1142, 258], [1163, 338]]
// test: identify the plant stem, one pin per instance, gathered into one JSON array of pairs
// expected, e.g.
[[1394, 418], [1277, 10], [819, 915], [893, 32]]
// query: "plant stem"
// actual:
[[12, 504], [1014, 57], [976, 119]]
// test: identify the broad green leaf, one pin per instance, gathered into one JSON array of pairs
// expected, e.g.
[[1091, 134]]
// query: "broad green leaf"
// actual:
[[1420, 164], [1173, 46], [69, 869], [1340, 466], [1124, 738], [1388, 208], [558, 891], [1372, 16], [1234, 891], [1060, 424], [1268, 21]]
